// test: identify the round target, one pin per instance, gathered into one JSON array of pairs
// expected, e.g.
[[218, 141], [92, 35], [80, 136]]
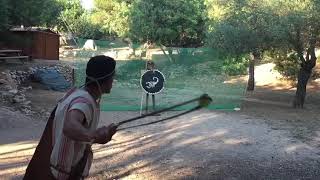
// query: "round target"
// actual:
[[152, 81]]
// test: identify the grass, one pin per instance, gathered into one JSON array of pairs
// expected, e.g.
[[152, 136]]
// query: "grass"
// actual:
[[186, 78]]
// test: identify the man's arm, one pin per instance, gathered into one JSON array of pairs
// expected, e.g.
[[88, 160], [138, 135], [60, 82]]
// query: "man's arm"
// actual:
[[73, 128]]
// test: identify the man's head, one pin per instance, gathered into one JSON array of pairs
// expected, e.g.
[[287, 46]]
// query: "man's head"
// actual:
[[100, 71], [150, 65]]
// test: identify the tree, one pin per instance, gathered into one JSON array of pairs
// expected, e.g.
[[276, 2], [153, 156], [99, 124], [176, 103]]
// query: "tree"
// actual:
[[4, 14], [28, 13], [243, 27], [168, 23], [113, 16], [33, 12], [299, 21], [70, 15], [85, 28]]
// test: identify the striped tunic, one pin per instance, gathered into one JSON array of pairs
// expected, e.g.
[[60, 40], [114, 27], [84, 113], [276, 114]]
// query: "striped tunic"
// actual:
[[66, 152]]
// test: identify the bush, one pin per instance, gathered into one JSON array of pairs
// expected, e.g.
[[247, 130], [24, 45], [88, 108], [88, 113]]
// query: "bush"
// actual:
[[129, 70], [287, 64], [235, 66], [84, 28]]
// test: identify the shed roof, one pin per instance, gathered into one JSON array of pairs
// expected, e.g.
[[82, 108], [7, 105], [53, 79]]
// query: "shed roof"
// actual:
[[33, 29]]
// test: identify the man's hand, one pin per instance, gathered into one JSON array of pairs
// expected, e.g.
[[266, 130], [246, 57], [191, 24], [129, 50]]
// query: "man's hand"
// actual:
[[105, 133]]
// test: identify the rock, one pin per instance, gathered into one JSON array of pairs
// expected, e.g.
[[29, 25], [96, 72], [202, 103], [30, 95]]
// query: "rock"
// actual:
[[27, 111], [22, 91], [26, 106], [7, 87], [7, 95], [90, 45], [13, 91], [2, 81], [11, 81], [18, 99]]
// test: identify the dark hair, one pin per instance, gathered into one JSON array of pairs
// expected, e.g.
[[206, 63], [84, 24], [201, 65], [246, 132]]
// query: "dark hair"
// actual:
[[98, 67]]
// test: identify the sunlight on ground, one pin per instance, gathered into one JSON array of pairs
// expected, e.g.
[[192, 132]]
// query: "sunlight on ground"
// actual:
[[316, 139], [192, 140], [9, 148], [204, 116], [12, 164], [233, 141], [296, 147], [219, 132], [267, 74]]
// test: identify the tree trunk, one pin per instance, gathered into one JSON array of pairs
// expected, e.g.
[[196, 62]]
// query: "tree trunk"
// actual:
[[303, 78], [307, 64], [168, 55], [255, 57], [251, 83]]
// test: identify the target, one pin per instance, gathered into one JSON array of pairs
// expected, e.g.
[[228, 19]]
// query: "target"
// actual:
[[152, 81]]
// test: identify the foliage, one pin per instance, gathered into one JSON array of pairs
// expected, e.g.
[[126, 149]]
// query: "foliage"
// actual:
[[113, 16], [4, 14], [76, 19], [70, 15], [33, 12], [287, 64], [301, 28], [234, 66], [86, 29], [170, 23], [245, 26], [129, 69]]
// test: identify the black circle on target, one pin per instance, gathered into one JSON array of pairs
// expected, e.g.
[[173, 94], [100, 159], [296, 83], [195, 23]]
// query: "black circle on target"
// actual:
[[152, 81]]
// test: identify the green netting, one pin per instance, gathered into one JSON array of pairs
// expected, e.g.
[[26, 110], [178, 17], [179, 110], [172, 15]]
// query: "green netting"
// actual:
[[190, 73]]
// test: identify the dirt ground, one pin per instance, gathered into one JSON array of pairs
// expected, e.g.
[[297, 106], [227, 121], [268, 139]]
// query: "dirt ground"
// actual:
[[267, 139]]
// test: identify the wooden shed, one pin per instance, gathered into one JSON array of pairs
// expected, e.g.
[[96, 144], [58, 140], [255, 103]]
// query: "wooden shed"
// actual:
[[42, 43]]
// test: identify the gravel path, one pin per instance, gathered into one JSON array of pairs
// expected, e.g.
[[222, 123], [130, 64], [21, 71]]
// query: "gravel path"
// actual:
[[201, 145]]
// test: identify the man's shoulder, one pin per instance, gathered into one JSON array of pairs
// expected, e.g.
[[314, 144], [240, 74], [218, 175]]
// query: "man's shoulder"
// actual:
[[76, 94]]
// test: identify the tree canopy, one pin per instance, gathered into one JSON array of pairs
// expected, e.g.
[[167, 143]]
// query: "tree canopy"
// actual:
[[171, 23]]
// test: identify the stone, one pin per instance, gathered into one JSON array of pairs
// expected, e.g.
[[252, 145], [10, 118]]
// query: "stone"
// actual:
[[19, 99], [7, 87], [13, 91], [7, 95], [26, 106], [89, 45], [2, 81], [25, 110]]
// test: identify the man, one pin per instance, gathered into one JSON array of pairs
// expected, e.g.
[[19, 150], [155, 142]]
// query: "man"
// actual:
[[150, 67], [64, 151]]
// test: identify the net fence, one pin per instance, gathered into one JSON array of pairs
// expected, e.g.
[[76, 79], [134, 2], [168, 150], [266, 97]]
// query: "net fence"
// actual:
[[189, 73]]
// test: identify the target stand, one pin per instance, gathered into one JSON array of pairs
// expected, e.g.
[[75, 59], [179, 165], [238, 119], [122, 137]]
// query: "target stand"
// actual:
[[152, 83]]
